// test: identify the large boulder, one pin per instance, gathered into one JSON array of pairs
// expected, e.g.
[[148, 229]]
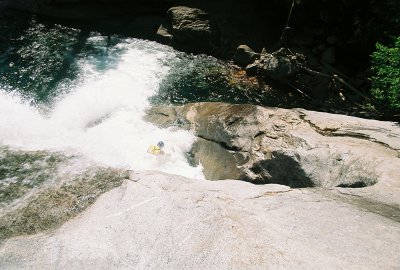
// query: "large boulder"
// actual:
[[189, 29], [298, 148], [188, 23], [244, 56]]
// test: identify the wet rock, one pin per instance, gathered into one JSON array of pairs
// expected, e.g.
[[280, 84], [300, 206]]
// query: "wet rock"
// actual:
[[165, 117], [222, 164], [244, 56]]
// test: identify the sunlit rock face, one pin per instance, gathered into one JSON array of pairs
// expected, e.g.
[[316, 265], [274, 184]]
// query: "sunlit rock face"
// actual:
[[155, 221], [298, 148]]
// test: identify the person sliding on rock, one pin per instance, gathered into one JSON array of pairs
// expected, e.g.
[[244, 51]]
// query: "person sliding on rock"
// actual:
[[156, 149]]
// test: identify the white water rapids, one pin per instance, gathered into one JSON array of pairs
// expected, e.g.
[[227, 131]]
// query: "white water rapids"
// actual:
[[100, 115]]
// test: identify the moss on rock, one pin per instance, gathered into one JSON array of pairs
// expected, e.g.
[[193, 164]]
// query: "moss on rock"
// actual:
[[52, 207], [20, 171]]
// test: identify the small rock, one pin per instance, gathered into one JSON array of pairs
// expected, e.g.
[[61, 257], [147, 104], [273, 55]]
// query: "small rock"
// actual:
[[244, 56], [264, 51], [163, 35], [280, 65]]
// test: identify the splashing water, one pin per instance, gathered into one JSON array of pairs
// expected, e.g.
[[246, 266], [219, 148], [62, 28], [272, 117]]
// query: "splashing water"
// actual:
[[99, 115]]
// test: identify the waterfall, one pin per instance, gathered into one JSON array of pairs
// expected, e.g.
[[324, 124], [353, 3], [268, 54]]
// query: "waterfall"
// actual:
[[98, 115]]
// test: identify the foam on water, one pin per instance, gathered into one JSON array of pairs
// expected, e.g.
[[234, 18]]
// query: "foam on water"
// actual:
[[100, 117]]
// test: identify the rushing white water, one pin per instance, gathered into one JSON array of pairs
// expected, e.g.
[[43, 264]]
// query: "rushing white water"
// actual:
[[100, 116]]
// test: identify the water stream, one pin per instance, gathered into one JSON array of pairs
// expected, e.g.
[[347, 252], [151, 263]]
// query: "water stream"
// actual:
[[99, 114]]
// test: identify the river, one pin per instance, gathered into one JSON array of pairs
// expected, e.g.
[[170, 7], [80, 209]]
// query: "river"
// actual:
[[73, 98], [81, 96]]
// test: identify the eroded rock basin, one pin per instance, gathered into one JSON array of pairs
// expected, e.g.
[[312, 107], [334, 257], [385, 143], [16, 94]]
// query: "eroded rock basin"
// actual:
[[297, 148]]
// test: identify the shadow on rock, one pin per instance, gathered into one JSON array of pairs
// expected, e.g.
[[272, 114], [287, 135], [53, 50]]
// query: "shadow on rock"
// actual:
[[281, 169]]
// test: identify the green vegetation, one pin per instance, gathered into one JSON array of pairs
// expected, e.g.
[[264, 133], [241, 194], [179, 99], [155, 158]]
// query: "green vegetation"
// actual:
[[386, 81]]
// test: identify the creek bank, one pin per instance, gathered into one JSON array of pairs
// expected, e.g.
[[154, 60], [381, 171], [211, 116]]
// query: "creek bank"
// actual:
[[322, 33], [310, 71], [307, 53], [326, 30]]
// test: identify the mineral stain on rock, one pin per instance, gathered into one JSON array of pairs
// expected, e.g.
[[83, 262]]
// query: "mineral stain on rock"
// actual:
[[21, 171], [51, 206]]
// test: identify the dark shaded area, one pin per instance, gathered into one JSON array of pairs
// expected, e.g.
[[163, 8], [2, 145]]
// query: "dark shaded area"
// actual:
[[205, 79], [218, 162], [346, 29], [37, 54], [69, 56], [281, 169], [35, 58], [137, 18], [335, 38], [354, 185], [257, 23], [356, 25]]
